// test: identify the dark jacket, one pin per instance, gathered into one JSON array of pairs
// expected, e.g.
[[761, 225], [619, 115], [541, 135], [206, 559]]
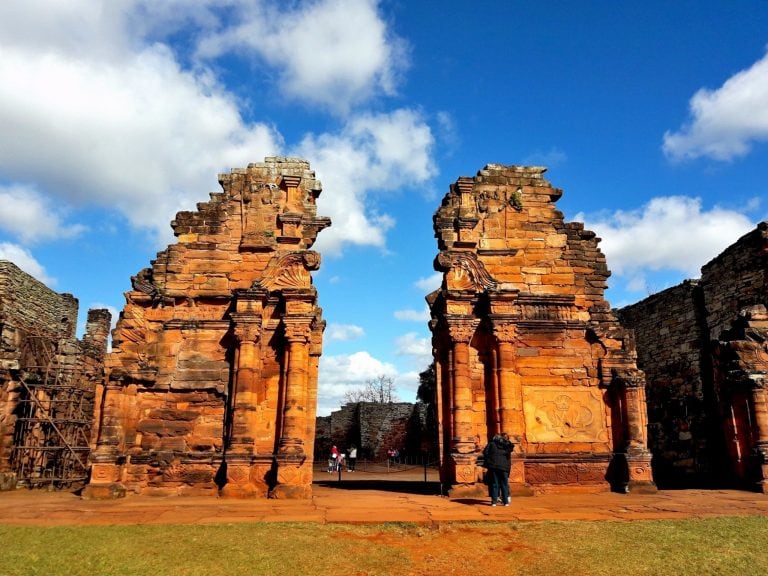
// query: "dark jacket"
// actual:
[[498, 454]]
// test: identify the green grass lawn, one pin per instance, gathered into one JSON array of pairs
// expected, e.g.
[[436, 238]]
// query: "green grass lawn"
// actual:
[[719, 546]]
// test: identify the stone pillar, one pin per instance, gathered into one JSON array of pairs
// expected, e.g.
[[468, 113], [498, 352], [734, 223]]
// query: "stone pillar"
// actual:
[[248, 361], [463, 449], [639, 473], [297, 332], [759, 400], [294, 479], [106, 472], [510, 388], [241, 450]]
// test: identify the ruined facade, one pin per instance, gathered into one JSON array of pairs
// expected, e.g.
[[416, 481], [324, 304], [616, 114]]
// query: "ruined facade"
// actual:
[[212, 381], [47, 382], [525, 343], [704, 347]]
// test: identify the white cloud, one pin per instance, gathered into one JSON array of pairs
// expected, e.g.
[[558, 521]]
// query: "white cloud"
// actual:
[[669, 233], [97, 111], [23, 259], [411, 344], [30, 217], [430, 283], [92, 116], [373, 152], [724, 122], [406, 384], [413, 315], [335, 53], [344, 332], [345, 373]]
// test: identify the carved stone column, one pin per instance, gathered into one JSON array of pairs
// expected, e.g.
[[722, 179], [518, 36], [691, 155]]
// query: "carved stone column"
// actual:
[[106, 472], [297, 334], [511, 418], [463, 448], [248, 362], [239, 464], [639, 473], [292, 480], [759, 399]]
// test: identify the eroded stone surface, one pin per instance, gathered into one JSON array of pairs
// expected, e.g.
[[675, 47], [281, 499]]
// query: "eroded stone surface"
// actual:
[[525, 342], [704, 347], [48, 379], [213, 374]]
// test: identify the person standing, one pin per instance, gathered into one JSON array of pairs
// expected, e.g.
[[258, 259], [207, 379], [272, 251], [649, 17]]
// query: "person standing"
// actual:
[[333, 459], [352, 458], [497, 458]]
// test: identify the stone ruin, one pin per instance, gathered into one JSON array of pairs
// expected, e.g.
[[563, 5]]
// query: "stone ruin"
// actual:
[[525, 343], [48, 380], [704, 347], [374, 428], [211, 385]]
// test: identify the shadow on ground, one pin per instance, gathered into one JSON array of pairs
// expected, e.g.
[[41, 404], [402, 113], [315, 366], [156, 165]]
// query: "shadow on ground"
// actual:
[[400, 486]]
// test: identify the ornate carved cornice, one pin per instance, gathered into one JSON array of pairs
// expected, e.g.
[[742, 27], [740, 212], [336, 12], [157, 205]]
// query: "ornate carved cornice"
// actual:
[[298, 328], [247, 330], [504, 331], [627, 378], [461, 329]]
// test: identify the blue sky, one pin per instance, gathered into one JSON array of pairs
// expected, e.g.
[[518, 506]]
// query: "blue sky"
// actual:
[[652, 116]]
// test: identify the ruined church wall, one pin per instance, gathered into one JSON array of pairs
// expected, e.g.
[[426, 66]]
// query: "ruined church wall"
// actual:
[[28, 304], [678, 332], [217, 346], [672, 341], [735, 279], [375, 428], [38, 343], [526, 343]]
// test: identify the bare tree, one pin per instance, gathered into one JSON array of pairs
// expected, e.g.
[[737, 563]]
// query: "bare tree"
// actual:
[[380, 390]]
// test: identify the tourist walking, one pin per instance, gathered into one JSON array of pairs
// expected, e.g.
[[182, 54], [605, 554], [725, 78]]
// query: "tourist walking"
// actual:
[[333, 459], [497, 458], [352, 458]]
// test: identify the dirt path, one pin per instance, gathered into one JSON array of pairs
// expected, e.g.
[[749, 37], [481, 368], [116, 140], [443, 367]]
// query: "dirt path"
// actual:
[[355, 504]]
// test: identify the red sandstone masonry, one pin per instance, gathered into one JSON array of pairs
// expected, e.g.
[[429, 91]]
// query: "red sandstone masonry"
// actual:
[[213, 376], [525, 342]]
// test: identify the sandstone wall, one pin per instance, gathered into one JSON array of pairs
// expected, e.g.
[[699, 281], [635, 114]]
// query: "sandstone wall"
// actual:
[[38, 346], [672, 341], [213, 374], [735, 280], [30, 305], [525, 342], [702, 346]]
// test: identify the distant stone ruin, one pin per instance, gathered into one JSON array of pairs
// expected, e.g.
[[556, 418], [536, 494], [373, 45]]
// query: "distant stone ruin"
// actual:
[[525, 343], [376, 427], [704, 348], [212, 381], [48, 380]]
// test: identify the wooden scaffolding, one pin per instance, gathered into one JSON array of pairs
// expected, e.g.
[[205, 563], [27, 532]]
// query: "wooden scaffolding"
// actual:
[[53, 417]]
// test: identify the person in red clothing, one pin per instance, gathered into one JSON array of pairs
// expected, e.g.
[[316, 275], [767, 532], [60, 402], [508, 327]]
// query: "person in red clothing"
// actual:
[[333, 460]]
